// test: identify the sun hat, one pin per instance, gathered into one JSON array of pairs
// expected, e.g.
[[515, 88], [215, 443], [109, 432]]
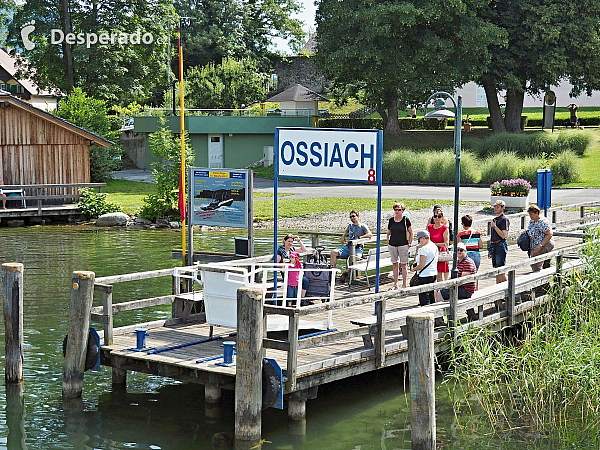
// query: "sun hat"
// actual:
[[422, 233], [461, 245]]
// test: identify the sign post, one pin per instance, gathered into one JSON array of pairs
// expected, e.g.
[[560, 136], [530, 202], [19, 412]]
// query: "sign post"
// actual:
[[330, 154]]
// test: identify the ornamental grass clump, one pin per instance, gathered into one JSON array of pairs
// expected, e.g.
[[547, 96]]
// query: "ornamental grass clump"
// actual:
[[511, 188], [544, 379]]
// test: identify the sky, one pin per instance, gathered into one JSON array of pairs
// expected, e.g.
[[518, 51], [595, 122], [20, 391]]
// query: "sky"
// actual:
[[307, 16]]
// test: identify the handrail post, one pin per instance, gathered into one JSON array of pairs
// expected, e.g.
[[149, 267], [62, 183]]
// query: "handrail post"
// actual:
[[510, 301], [82, 296], [12, 306], [314, 239], [39, 202], [453, 310], [582, 211], [554, 214], [559, 273], [248, 379], [380, 334], [292, 357], [522, 222], [107, 310], [422, 381]]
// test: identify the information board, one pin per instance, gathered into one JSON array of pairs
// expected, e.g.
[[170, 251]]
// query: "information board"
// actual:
[[220, 197]]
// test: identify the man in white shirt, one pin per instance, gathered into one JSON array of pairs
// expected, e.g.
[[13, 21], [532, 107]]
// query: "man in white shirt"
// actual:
[[426, 263]]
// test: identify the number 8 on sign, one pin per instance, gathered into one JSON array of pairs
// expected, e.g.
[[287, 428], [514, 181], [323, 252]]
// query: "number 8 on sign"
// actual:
[[371, 177]]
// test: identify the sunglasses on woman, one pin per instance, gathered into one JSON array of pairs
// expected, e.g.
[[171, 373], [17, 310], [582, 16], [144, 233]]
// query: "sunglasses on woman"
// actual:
[[398, 209], [438, 216]]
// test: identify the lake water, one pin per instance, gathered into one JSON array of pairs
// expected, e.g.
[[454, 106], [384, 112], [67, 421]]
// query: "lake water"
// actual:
[[367, 412]]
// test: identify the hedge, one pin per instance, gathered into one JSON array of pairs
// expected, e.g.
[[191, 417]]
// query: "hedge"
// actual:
[[377, 124], [534, 144]]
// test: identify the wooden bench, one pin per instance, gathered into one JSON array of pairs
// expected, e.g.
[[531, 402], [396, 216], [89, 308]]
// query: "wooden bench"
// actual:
[[369, 263], [10, 195]]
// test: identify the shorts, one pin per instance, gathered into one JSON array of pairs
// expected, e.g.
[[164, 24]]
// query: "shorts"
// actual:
[[344, 251], [398, 254], [498, 253], [462, 293], [475, 256]]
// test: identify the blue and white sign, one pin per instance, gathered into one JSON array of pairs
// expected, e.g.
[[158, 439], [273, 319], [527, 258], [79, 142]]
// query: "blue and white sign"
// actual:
[[328, 154]]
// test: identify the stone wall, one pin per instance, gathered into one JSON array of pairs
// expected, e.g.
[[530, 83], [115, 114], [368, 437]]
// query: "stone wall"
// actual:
[[293, 70]]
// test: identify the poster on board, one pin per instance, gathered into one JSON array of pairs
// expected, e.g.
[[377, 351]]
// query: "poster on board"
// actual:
[[220, 197]]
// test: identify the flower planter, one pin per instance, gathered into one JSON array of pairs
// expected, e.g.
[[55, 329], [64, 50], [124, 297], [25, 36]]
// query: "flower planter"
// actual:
[[511, 202]]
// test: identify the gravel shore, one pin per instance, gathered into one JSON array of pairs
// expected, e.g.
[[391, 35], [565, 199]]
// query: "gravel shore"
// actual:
[[336, 222]]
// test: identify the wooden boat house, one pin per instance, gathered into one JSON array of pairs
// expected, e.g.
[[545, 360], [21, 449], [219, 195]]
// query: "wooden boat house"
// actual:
[[37, 147]]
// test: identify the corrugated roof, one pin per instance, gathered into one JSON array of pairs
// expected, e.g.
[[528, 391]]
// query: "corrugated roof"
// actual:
[[8, 62], [297, 93], [98, 140]]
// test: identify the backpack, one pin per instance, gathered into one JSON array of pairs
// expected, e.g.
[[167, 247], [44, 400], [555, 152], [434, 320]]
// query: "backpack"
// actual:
[[524, 242]]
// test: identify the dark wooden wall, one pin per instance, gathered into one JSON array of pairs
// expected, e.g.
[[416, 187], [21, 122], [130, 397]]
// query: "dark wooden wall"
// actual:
[[36, 150]]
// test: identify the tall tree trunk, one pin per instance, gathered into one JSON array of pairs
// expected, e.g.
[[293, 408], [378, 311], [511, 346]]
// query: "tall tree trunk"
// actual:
[[494, 107], [514, 108], [68, 55], [391, 126]]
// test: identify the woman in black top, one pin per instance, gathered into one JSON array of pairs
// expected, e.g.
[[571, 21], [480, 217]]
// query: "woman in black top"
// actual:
[[399, 237]]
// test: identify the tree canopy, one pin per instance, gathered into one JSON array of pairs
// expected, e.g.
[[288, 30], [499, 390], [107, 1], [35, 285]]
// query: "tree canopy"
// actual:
[[546, 42], [231, 84], [398, 50]]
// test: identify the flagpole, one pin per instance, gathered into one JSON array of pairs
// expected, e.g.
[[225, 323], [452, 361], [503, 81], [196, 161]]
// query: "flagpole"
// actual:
[[182, 204]]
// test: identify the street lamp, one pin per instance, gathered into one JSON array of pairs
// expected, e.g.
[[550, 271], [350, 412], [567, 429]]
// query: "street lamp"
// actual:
[[441, 113]]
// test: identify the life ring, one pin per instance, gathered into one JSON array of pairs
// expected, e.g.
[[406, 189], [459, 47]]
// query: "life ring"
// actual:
[[270, 385], [93, 350]]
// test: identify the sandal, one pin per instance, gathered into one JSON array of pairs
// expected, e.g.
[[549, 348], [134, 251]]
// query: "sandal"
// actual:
[[394, 288]]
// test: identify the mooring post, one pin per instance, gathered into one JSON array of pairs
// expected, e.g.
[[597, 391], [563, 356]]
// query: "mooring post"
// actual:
[[248, 378], [82, 295], [119, 376], [212, 398], [12, 307], [15, 416], [380, 334], [510, 301], [422, 381], [297, 413]]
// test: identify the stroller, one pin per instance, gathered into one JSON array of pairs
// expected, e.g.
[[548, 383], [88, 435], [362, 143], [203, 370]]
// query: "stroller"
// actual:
[[319, 280]]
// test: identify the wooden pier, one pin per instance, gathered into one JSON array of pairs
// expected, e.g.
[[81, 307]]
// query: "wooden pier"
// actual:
[[180, 347]]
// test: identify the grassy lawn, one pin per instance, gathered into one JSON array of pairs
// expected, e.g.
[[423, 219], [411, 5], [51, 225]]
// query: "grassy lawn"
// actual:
[[129, 194], [590, 165]]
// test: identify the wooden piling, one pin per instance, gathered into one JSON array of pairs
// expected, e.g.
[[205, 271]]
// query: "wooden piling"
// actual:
[[248, 379], [422, 381], [15, 416], [297, 413], [119, 376], [12, 307], [82, 295]]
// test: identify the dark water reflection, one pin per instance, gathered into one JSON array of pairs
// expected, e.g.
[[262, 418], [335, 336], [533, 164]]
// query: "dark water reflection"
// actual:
[[368, 412]]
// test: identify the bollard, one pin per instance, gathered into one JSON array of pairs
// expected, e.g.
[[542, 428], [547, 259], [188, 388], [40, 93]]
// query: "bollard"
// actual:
[[228, 348], [140, 338], [82, 295], [248, 378], [422, 381], [12, 307]]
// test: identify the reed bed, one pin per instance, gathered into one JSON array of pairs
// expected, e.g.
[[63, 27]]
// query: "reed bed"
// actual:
[[547, 379]]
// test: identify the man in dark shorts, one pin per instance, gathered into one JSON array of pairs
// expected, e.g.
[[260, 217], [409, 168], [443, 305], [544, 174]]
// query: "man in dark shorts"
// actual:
[[498, 247], [466, 266]]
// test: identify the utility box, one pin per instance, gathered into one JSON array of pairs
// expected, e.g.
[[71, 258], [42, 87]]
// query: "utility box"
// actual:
[[267, 155]]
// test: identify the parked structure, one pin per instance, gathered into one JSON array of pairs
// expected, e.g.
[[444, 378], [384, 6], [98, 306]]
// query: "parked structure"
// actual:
[[24, 88], [36, 147]]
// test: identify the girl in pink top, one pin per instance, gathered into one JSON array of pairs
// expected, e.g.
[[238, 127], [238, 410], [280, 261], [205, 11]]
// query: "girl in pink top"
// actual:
[[294, 279]]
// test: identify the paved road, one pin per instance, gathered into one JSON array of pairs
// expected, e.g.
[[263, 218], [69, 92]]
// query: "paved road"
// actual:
[[310, 190]]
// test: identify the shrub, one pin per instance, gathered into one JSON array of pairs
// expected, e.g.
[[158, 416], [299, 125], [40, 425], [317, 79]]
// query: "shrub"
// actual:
[[530, 144], [157, 207], [377, 124], [403, 165], [565, 168], [575, 141], [103, 161], [501, 166], [94, 204], [529, 167]]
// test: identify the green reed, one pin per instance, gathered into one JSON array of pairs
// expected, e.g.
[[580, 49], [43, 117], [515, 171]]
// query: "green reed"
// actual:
[[547, 379]]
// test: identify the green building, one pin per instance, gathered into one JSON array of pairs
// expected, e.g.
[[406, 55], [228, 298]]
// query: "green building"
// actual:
[[218, 141]]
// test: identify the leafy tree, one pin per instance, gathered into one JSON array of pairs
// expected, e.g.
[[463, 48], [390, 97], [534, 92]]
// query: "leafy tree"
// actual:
[[91, 114], [167, 148], [230, 28], [113, 71], [396, 53], [6, 10], [231, 84], [545, 42]]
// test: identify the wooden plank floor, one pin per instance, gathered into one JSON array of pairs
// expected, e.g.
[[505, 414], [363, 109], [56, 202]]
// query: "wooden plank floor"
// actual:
[[309, 360]]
